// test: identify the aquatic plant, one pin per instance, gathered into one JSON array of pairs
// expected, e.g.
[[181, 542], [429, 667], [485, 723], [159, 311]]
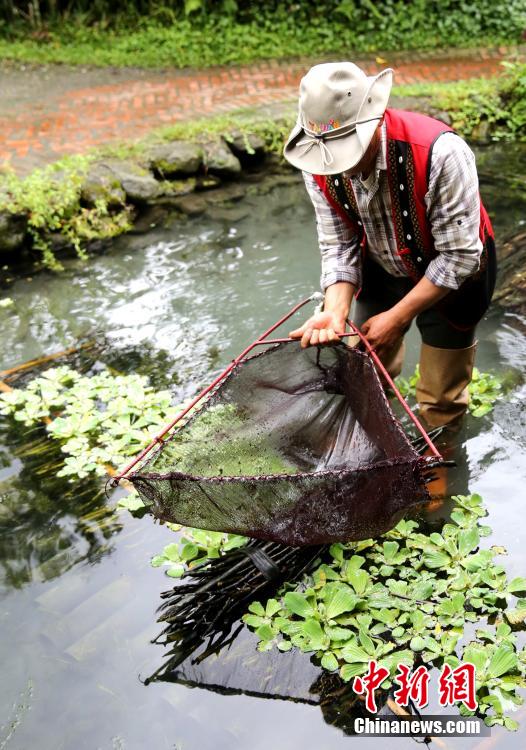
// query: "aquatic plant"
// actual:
[[101, 420], [406, 597], [193, 548], [484, 390]]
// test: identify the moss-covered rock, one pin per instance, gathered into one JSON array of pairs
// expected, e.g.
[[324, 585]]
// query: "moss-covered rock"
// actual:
[[137, 182], [175, 188], [175, 158], [100, 183], [219, 159]]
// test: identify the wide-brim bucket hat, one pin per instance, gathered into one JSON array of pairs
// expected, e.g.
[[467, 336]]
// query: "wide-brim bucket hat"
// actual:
[[340, 107]]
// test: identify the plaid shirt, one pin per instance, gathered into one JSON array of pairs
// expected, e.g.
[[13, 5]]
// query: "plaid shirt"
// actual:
[[453, 209]]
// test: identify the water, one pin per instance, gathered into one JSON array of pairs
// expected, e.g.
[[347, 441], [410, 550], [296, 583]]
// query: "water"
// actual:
[[78, 594]]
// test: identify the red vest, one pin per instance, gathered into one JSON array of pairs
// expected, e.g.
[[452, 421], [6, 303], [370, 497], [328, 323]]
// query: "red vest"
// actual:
[[410, 140]]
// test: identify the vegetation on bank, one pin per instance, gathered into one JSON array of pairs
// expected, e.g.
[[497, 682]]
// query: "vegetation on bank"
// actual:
[[201, 32], [50, 199]]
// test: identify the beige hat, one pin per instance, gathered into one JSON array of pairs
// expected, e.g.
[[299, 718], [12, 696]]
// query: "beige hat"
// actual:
[[339, 110]]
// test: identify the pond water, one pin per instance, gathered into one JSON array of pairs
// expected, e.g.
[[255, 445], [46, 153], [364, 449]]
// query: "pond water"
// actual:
[[78, 594]]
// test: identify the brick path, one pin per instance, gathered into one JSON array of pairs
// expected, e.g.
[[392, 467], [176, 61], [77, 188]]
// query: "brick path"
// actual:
[[55, 110]]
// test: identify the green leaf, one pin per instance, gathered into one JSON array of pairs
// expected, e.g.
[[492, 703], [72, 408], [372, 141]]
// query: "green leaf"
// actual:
[[189, 552], [177, 571], [272, 607], [417, 643], [298, 604], [517, 585], [359, 579], [284, 645], [366, 642], [352, 653], [312, 630], [171, 552], [476, 654], [257, 608], [339, 634], [482, 410], [254, 621], [390, 549], [503, 660], [348, 671], [329, 661], [436, 559], [341, 600], [265, 633], [468, 541]]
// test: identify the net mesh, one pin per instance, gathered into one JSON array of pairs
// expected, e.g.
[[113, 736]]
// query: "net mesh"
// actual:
[[298, 446]]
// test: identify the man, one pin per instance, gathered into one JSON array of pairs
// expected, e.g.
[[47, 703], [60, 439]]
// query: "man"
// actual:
[[400, 226]]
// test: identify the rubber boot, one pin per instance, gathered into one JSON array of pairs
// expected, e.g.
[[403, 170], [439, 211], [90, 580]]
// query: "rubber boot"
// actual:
[[442, 391]]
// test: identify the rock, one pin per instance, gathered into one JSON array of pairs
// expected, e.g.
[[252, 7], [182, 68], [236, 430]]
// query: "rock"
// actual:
[[228, 214], [58, 243], [191, 205], [175, 158], [248, 148], [175, 188], [100, 182], [138, 183], [13, 229], [152, 217], [234, 191], [220, 160], [511, 281]]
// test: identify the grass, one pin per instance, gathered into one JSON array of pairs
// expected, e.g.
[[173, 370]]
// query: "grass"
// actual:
[[223, 40]]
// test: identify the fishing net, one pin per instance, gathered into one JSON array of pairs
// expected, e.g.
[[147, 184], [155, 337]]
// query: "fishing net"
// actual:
[[298, 446]]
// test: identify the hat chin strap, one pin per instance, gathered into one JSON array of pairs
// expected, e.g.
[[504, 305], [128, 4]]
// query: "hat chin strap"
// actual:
[[310, 141], [317, 139]]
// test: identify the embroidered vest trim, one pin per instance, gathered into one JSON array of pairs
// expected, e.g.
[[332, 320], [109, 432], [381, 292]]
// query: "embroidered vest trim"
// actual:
[[410, 140]]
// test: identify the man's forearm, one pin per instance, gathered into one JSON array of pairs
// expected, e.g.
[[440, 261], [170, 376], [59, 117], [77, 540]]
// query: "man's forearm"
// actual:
[[338, 298], [423, 296]]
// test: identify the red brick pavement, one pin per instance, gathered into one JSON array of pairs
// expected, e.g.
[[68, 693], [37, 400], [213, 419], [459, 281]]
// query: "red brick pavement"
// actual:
[[41, 129]]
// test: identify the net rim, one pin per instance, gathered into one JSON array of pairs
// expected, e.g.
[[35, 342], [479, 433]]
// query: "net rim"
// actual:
[[415, 461]]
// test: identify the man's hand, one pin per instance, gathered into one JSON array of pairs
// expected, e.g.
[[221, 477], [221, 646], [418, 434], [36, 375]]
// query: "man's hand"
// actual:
[[322, 328], [383, 331]]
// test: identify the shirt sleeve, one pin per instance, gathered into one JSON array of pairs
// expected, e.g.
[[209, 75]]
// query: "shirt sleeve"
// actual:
[[453, 205], [339, 245]]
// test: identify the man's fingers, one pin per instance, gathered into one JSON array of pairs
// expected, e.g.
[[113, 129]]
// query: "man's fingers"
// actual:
[[315, 337], [298, 332], [305, 339], [324, 336], [332, 335]]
